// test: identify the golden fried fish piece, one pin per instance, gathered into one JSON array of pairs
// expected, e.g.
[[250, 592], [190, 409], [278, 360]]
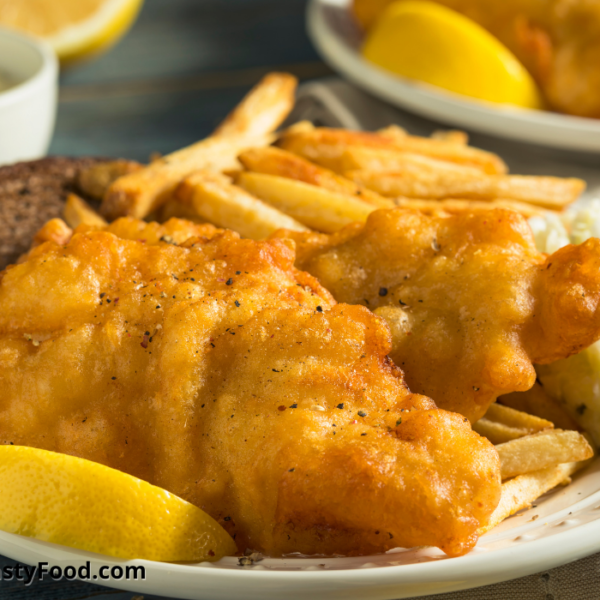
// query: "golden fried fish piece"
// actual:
[[218, 371], [470, 301], [174, 230]]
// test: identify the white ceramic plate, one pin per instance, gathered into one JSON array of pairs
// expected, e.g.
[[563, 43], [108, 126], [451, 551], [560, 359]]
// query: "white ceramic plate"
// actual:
[[562, 527], [338, 39], [28, 109]]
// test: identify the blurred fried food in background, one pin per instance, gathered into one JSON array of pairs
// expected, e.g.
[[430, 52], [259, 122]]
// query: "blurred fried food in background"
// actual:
[[558, 41]]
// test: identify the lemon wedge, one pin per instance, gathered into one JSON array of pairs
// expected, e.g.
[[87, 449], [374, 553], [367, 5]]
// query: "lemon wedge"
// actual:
[[78, 503], [428, 42], [76, 29]]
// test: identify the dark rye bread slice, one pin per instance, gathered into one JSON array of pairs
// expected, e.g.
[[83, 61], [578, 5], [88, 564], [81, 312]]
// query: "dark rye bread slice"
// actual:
[[32, 193]]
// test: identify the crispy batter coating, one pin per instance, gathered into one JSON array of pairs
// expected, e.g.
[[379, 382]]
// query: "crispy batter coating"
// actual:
[[174, 230], [218, 371], [470, 302]]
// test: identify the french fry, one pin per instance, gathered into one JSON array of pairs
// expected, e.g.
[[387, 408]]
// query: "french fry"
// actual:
[[264, 108], [548, 192], [453, 206], [140, 193], [299, 127], [218, 201], [357, 158], [249, 125], [522, 491], [393, 132], [453, 136], [77, 212], [96, 179], [274, 161], [542, 450], [518, 419], [178, 210], [232, 173], [498, 433], [326, 147], [316, 207], [55, 230], [536, 402]]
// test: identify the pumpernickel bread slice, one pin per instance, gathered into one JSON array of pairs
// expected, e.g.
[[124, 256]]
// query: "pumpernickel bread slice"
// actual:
[[32, 193]]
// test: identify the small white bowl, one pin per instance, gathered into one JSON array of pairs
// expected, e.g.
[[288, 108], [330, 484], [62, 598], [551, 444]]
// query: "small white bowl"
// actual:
[[28, 108]]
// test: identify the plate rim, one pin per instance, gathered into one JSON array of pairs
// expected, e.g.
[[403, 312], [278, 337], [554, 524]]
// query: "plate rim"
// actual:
[[532, 126], [480, 567]]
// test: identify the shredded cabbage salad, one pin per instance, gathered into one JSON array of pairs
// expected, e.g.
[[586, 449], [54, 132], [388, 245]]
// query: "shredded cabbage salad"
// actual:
[[575, 381]]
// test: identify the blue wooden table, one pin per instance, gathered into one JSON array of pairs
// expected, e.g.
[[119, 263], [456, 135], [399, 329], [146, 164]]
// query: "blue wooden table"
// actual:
[[183, 66], [180, 70]]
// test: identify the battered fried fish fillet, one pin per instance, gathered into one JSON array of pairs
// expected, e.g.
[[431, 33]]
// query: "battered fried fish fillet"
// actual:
[[557, 40], [128, 228], [218, 371], [470, 301]]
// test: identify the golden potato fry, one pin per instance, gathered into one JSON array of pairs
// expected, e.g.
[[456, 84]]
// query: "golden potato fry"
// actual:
[[454, 136], [232, 173], [95, 180], [249, 125], [326, 147], [520, 492], [77, 212], [393, 132], [178, 210], [547, 192], [357, 158], [264, 109], [542, 450], [316, 207], [452, 206], [299, 127], [217, 200], [55, 230], [516, 418], [140, 193], [274, 161], [498, 433], [536, 402]]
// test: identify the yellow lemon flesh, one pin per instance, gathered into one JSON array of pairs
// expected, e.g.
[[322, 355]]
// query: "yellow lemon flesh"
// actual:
[[78, 503], [76, 29], [431, 43]]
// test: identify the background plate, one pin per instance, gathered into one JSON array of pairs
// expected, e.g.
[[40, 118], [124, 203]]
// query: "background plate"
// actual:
[[563, 526], [338, 39]]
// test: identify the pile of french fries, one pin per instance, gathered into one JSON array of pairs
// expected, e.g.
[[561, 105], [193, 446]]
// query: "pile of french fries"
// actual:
[[250, 179], [535, 457]]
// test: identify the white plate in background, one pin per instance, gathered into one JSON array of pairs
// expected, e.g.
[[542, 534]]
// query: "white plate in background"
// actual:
[[563, 526], [338, 39]]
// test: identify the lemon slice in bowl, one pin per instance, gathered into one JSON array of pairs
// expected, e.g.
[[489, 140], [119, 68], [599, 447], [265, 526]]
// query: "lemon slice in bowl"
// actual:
[[78, 503], [428, 42], [76, 29]]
